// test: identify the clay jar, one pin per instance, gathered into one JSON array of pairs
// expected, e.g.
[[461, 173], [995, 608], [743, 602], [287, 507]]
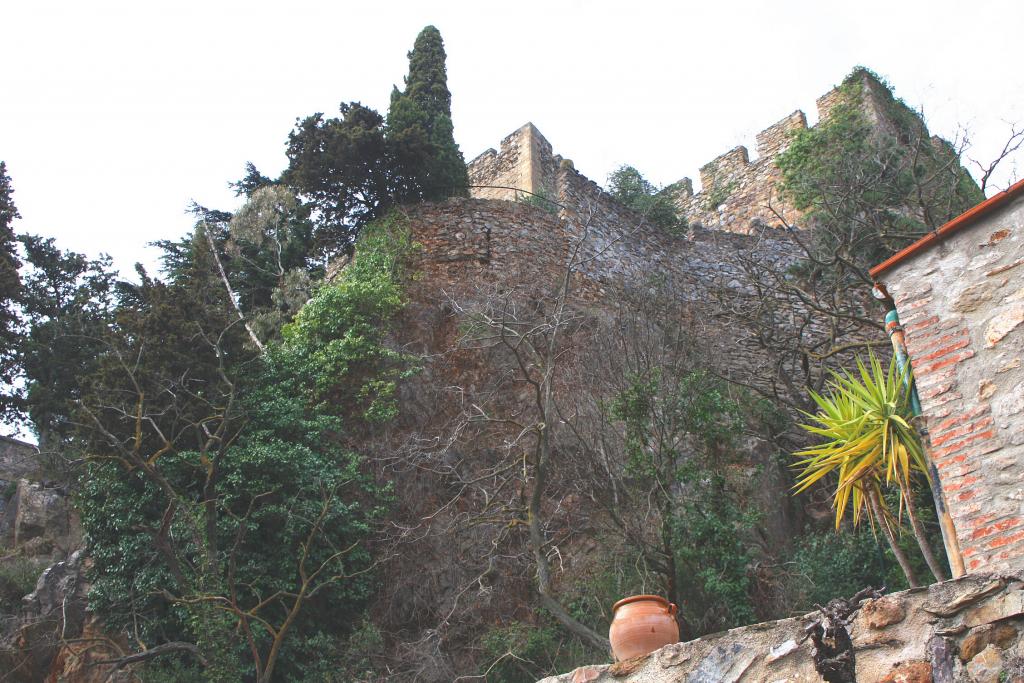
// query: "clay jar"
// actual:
[[641, 624]]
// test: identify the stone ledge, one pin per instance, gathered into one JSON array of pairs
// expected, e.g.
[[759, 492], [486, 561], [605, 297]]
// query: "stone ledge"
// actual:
[[964, 630]]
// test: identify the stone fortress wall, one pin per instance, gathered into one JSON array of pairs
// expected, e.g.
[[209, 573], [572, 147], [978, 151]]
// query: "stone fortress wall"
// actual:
[[968, 629], [471, 245], [621, 249], [548, 207], [736, 195], [17, 459]]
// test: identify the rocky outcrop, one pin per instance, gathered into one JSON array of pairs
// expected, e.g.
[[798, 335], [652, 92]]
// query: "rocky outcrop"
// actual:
[[966, 631], [18, 460], [52, 613], [40, 535], [38, 520]]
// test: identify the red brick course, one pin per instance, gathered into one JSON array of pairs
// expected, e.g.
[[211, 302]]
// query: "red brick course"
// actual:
[[963, 433]]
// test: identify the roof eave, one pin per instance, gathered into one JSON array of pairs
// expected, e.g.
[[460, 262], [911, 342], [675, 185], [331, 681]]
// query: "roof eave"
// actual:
[[958, 223]]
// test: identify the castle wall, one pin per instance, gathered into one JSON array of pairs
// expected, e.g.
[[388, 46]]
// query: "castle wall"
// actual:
[[17, 459], [473, 245], [467, 242], [735, 197], [737, 194], [962, 307], [525, 165]]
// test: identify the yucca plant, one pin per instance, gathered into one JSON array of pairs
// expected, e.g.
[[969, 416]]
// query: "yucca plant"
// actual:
[[868, 441]]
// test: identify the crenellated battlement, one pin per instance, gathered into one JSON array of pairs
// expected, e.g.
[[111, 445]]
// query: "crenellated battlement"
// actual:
[[525, 164], [736, 194]]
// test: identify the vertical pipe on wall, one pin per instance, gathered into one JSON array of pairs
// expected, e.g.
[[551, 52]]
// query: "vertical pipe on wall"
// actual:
[[899, 347]]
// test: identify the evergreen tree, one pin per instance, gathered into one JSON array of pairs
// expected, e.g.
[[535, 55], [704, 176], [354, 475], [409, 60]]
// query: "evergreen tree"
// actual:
[[68, 304], [631, 189], [10, 294], [351, 170], [342, 168], [424, 112], [202, 453]]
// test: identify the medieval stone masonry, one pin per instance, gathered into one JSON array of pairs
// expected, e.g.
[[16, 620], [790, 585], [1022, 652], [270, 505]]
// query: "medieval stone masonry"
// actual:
[[962, 306], [737, 194], [959, 293], [961, 302]]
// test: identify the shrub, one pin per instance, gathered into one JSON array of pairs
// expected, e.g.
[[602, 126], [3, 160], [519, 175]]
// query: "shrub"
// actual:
[[18, 577]]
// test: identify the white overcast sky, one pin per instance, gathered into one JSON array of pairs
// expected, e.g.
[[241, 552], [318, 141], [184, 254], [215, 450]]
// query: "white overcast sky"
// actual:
[[114, 115]]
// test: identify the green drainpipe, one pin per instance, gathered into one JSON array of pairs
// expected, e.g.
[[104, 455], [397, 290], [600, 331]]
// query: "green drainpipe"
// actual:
[[899, 347]]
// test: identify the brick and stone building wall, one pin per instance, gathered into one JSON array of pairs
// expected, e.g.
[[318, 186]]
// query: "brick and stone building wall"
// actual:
[[960, 296]]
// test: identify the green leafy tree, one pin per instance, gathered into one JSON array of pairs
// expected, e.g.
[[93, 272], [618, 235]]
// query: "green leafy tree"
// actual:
[[339, 334], [216, 452], [423, 113], [251, 181], [10, 296], [264, 257], [871, 178], [270, 257], [353, 169], [344, 168], [678, 430], [631, 189], [68, 304]]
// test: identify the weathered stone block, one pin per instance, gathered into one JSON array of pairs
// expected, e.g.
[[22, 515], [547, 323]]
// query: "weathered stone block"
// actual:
[[1003, 323], [1000, 635], [878, 614], [986, 667], [1010, 604], [910, 672]]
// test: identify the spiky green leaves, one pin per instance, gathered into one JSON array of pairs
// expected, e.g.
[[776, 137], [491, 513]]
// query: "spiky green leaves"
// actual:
[[867, 439]]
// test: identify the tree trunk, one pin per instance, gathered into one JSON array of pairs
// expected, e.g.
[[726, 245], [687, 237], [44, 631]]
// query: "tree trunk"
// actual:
[[231, 292], [901, 557], [922, 540], [544, 570]]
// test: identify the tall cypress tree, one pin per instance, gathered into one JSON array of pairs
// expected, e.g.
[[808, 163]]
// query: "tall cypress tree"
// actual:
[[10, 296], [421, 118]]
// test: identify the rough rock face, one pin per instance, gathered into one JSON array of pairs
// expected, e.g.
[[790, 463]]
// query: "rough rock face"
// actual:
[[55, 609], [18, 459], [39, 526], [967, 630], [38, 520]]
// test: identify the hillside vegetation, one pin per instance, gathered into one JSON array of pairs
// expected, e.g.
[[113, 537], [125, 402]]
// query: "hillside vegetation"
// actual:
[[297, 456]]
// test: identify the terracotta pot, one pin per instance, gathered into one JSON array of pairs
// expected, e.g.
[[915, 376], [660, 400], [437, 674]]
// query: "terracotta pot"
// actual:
[[641, 624]]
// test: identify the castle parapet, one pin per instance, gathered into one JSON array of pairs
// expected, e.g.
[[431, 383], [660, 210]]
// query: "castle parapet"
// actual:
[[723, 167], [740, 195], [682, 188], [525, 165], [774, 139], [736, 194]]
